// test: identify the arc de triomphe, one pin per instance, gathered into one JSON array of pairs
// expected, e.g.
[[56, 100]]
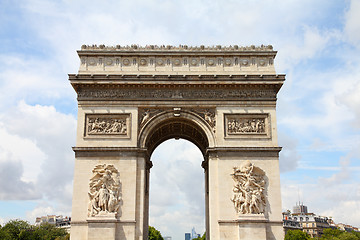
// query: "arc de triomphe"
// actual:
[[131, 99]]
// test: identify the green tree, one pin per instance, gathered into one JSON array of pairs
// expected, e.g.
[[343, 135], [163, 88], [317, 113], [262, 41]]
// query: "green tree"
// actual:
[[331, 234], [296, 235], [336, 234], [22, 230], [348, 236], [356, 234], [49, 232], [13, 228], [154, 234]]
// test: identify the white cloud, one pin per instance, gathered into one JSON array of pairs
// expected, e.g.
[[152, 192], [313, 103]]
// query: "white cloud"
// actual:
[[289, 155], [31, 79], [12, 187], [311, 43], [337, 195], [13, 147], [352, 23], [40, 139], [342, 175], [351, 99]]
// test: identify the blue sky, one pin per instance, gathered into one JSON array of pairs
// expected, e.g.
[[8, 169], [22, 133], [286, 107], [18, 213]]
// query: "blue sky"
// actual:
[[318, 111]]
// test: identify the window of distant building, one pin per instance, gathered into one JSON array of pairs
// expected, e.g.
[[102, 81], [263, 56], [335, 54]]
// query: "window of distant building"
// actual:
[[307, 219], [301, 218]]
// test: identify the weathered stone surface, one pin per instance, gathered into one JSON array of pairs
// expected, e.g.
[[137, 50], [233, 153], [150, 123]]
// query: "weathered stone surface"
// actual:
[[130, 99]]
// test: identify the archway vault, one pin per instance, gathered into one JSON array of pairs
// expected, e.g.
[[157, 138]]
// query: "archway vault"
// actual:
[[176, 124]]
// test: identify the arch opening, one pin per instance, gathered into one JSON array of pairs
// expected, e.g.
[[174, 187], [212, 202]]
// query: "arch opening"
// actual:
[[189, 127], [176, 191], [177, 128]]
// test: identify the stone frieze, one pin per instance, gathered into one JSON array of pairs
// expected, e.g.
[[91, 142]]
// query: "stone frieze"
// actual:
[[169, 94], [237, 125], [106, 124]]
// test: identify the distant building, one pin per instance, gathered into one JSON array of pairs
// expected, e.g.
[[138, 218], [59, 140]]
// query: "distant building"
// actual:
[[307, 222], [346, 227], [301, 208], [289, 223], [192, 235], [167, 238], [58, 221], [312, 224]]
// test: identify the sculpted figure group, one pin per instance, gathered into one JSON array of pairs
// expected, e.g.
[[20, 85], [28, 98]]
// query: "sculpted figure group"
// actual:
[[106, 125], [246, 126], [248, 192], [104, 194]]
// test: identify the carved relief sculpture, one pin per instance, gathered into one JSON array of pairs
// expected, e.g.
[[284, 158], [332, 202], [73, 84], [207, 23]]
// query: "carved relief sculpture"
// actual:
[[112, 125], [104, 193], [208, 115], [255, 125], [146, 114], [249, 189], [106, 125]]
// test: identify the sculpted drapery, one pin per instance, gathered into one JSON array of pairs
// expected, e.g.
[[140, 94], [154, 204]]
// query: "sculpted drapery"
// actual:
[[249, 189], [104, 193]]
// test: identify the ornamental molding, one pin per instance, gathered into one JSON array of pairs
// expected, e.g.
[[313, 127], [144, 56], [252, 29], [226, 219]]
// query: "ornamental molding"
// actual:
[[181, 64], [136, 47], [104, 191], [193, 78], [249, 189], [107, 125], [125, 94], [181, 59]]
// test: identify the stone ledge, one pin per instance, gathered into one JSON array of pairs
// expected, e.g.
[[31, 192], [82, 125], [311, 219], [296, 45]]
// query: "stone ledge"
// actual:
[[179, 77], [244, 149], [107, 151]]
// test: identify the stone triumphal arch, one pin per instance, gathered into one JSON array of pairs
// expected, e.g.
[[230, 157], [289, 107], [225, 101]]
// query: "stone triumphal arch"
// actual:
[[131, 99]]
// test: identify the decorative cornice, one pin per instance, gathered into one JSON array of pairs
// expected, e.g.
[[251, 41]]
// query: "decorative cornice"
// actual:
[[170, 48], [179, 78], [176, 87]]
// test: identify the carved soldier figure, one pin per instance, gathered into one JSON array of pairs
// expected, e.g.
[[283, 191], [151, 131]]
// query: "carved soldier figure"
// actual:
[[104, 196], [248, 192], [104, 191]]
